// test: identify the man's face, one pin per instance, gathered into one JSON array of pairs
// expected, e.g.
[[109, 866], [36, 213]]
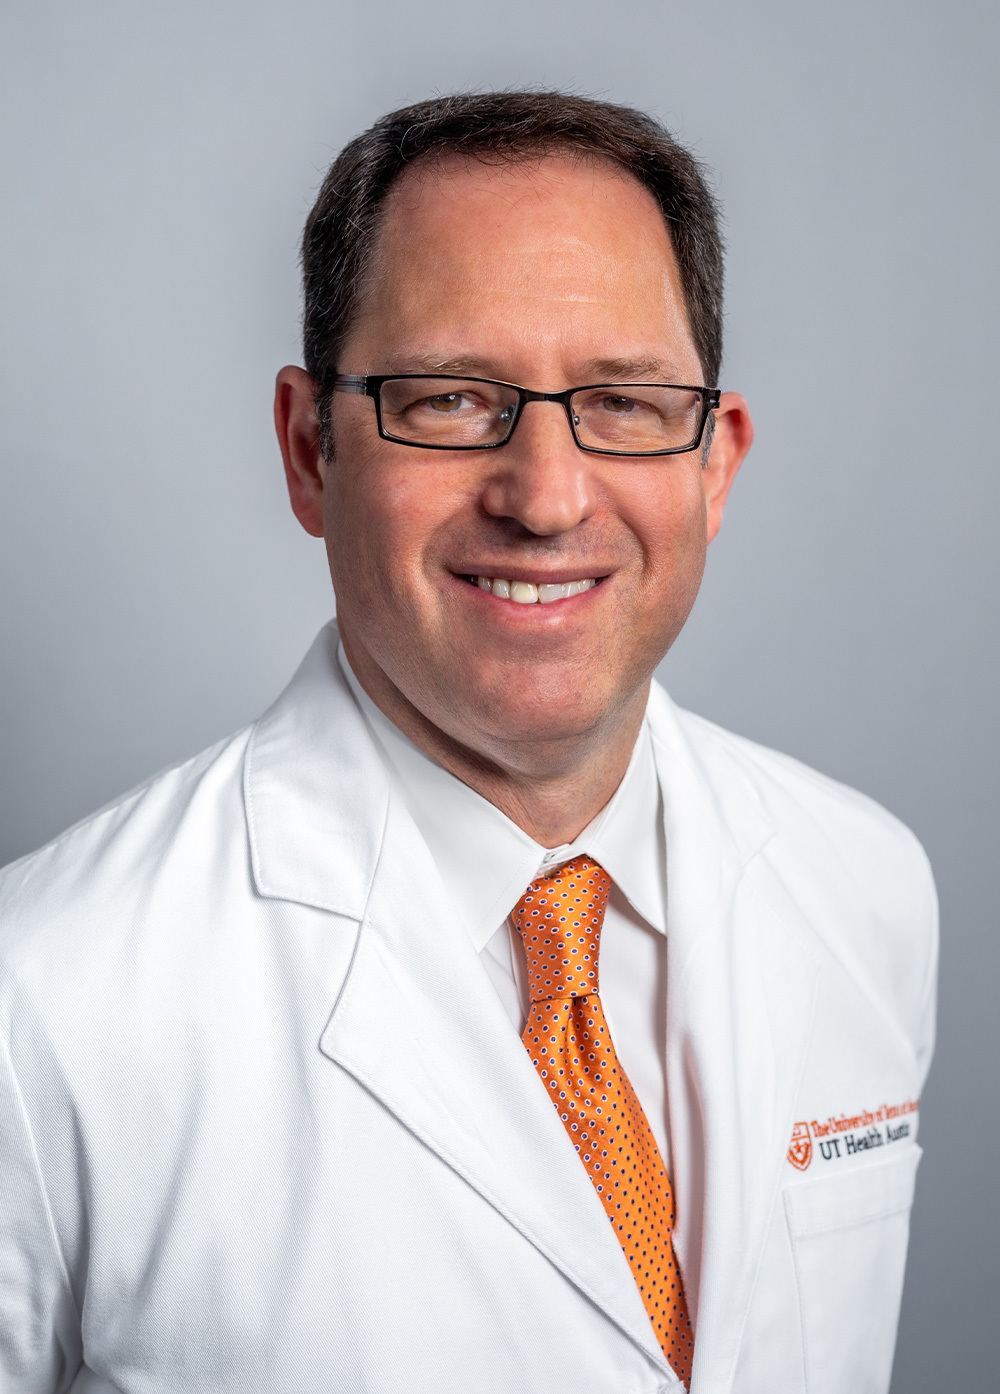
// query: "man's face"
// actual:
[[551, 275]]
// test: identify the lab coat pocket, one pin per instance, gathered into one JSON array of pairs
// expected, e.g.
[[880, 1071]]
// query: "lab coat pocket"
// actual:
[[848, 1235]]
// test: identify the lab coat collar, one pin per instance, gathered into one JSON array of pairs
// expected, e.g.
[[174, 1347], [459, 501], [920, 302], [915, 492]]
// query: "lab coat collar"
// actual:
[[418, 1023], [316, 793]]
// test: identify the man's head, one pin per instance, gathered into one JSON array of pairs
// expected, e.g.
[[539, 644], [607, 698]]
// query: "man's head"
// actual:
[[497, 128], [549, 242]]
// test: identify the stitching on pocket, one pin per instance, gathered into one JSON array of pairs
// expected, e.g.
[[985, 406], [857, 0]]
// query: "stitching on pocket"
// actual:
[[847, 1200]]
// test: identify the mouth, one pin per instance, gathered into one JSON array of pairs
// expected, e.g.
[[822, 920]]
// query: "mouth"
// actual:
[[523, 591]]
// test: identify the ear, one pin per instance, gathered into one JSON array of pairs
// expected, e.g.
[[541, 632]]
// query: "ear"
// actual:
[[731, 440], [297, 426]]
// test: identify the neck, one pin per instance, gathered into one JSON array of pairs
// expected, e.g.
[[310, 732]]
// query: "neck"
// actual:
[[551, 789]]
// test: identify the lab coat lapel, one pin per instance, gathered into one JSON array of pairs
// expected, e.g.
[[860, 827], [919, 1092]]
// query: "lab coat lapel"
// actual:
[[741, 988], [419, 1024], [417, 1021]]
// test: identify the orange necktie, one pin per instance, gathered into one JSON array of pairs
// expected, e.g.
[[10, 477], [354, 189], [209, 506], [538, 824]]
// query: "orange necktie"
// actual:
[[559, 920]]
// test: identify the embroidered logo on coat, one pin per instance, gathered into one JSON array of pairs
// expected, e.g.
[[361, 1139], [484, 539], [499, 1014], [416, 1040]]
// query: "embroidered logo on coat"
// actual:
[[844, 1136], [800, 1154]]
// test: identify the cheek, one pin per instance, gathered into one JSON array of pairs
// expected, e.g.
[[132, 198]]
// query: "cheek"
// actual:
[[380, 524], [669, 518], [671, 531]]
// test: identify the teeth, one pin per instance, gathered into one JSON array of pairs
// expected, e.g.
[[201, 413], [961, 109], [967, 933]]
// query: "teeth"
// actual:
[[528, 593]]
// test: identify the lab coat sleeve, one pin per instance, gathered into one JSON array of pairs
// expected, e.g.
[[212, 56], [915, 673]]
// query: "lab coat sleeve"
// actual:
[[40, 1346]]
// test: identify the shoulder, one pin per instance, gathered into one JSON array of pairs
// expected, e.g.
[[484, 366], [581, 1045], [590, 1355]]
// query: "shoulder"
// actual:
[[813, 809], [807, 807], [857, 876], [183, 861], [93, 883]]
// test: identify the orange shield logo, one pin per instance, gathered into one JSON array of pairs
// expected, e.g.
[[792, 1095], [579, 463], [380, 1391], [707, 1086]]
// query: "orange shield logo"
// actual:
[[800, 1154]]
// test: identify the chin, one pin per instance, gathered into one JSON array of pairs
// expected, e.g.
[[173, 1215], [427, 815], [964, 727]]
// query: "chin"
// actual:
[[530, 713]]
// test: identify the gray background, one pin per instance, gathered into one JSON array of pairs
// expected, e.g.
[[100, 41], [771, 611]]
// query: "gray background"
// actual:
[[155, 591]]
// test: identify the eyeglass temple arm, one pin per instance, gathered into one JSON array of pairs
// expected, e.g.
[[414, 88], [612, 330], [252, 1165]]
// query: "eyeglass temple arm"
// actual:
[[351, 382]]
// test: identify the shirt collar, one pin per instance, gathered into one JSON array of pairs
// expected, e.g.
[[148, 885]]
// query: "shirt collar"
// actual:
[[487, 862]]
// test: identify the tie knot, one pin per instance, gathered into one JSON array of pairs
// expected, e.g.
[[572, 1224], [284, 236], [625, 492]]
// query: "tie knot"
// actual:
[[559, 920]]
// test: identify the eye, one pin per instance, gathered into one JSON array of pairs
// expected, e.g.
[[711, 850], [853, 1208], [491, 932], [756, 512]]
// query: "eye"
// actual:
[[445, 401], [619, 404]]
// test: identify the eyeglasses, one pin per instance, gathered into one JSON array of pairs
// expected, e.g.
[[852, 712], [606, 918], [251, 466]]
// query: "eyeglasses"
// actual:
[[608, 418]]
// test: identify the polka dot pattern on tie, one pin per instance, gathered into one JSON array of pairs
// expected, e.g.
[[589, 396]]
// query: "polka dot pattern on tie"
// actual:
[[559, 919]]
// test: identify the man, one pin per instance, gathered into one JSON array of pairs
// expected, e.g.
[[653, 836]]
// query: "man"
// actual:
[[477, 1021]]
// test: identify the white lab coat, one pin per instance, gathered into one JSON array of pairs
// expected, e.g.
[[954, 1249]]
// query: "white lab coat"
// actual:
[[265, 1125]]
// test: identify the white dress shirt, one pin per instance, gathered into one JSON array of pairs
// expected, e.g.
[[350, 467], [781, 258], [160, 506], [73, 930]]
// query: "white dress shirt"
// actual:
[[487, 863]]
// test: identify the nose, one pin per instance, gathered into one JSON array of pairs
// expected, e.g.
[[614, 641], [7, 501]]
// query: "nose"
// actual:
[[541, 478]]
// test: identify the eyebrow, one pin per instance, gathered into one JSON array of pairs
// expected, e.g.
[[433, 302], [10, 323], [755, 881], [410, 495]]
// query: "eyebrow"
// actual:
[[595, 369], [623, 368], [467, 365]]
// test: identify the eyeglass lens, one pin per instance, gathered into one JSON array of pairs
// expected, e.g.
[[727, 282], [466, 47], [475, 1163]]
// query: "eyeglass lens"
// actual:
[[622, 417]]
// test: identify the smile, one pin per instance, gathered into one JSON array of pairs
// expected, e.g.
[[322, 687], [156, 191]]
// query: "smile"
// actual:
[[532, 592]]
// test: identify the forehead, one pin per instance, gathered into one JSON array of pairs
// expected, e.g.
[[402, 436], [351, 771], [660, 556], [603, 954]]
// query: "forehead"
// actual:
[[556, 247], [580, 187]]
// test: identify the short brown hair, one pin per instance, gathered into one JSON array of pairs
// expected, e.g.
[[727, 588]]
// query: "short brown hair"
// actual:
[[340, 233]]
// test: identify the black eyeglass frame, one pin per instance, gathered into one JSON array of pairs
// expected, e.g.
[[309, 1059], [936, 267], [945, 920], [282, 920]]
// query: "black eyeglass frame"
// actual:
[[371, 386]]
